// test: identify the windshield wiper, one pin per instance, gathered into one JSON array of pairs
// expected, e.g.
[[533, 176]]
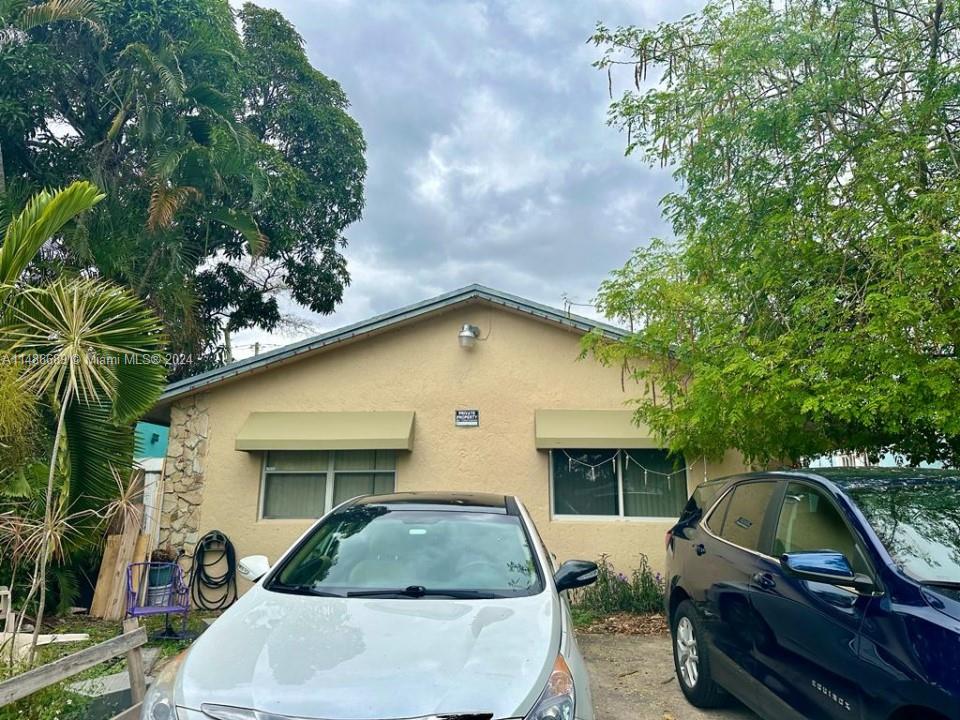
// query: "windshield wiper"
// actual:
[[419, 591], [951, 584], [301, 590]]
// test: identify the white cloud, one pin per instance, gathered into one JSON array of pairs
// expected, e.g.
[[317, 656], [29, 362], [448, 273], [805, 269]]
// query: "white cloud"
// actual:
[[489, 156], [491, 148]]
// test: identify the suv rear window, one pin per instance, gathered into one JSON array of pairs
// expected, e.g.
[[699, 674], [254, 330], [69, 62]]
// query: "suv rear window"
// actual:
[[715, 521], [745, 508], [700, 501]]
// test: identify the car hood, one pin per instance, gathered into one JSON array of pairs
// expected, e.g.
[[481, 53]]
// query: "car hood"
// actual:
[[946, 600], [373, 658]]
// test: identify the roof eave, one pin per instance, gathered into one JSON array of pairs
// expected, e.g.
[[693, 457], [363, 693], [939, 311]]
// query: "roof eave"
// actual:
[[370, 326]]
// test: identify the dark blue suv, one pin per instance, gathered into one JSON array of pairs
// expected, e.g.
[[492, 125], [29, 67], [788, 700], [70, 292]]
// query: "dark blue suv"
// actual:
[[821, 594]]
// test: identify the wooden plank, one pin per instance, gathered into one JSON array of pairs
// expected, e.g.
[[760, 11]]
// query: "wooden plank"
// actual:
[[138, 680], [105, 577], [29, 682], [139, 556], [117, 600], [130, 713]]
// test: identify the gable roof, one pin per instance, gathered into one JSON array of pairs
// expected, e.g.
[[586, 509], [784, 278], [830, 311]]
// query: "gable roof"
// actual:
[[402, 315]]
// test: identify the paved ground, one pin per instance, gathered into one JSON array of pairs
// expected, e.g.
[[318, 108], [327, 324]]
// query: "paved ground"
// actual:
[[632, 679]]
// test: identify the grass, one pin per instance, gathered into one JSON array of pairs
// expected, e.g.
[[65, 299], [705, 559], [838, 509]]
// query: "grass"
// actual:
[[582, 618], [58, 703]]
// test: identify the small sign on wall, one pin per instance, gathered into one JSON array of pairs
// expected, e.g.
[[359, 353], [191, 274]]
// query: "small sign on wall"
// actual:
[[466, 418]]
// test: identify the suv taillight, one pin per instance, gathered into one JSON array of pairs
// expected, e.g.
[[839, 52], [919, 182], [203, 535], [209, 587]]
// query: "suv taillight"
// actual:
[[667, 539]]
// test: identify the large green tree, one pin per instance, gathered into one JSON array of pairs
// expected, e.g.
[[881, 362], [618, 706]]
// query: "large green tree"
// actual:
[[808, 301], [230, 165], [23, 62]]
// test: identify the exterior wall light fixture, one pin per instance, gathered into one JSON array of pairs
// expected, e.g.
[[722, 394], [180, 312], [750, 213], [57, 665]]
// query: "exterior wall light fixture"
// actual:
[[468, 335]]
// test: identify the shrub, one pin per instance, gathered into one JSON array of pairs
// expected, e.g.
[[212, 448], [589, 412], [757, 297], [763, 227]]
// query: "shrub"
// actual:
[[642, 592]]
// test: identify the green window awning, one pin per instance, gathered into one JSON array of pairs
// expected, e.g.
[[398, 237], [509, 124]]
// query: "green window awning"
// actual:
[[591, 429], [391, 430]]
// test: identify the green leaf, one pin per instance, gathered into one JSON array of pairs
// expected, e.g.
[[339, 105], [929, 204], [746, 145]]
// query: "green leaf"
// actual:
[[53, 11], [98, 344], [95, 448], [45, 214], [243, 223]]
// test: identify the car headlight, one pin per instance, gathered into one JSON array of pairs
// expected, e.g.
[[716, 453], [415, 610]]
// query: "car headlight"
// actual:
[[158, 704], [558, 700]]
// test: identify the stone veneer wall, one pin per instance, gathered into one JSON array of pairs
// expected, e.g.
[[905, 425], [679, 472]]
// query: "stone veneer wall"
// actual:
[[183, 474]]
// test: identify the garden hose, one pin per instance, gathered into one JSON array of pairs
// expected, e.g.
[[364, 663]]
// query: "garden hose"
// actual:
[[210, 591]]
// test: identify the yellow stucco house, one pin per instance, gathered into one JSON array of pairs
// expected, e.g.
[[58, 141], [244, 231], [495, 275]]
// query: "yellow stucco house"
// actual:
[[472, 390]]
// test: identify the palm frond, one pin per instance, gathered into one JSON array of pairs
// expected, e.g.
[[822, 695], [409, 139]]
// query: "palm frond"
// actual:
[[65, 579], [52, 11], [171, 77], [45, 214], [163, 66], [139, 383], [10, 10], [87, 340], [206, 97], [18, 407], [245, 224], [199, 128], [125, 509], [24, 482], [165, 201], [96, 448], [166, 161]]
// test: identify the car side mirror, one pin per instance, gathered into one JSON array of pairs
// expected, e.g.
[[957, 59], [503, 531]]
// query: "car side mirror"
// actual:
[[574, 574], [825, 566], [253, 567]]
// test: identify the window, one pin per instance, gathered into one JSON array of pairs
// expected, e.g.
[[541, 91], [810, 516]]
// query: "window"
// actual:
[[745, 511], [618, 483], [370, 547], [715, 521], [306, 484], [809, 521]]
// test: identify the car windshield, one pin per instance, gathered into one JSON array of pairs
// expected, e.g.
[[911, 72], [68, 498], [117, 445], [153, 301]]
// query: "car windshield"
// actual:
[[370, 548], [918, 523]]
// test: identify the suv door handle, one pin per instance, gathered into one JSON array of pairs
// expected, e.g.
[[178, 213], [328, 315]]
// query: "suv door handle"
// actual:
[[764, 580], [700, 548]]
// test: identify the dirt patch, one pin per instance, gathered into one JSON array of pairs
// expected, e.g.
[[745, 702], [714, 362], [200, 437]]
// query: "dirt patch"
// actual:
[[627, 624], [632, 678]]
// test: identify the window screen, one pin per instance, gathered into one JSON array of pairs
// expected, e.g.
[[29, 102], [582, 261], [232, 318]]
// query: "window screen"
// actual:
[[592, 482], [585, 482], [294, 495], [652, 484], [307, 484]]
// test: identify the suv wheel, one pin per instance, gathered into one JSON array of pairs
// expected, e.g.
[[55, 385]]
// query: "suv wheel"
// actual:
[[691, 660]]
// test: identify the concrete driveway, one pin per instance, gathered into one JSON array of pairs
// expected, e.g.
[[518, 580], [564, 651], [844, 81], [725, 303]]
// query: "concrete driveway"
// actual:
[[632, 679]]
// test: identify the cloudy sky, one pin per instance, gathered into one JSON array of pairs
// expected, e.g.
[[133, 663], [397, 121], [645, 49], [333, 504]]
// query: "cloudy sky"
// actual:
[[489, 155]]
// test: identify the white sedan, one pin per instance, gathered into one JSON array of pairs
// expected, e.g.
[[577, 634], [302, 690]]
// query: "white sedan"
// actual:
[[414, 605]]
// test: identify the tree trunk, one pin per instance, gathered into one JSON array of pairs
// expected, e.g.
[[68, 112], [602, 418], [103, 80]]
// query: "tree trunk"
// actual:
[[3, 177], [48, 529]]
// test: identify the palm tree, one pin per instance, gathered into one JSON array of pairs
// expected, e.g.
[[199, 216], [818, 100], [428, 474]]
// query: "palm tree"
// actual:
[[19, 17], [90, 349], [195, 139]]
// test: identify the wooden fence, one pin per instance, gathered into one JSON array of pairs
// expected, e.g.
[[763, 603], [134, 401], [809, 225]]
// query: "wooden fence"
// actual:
[[129, 643]]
